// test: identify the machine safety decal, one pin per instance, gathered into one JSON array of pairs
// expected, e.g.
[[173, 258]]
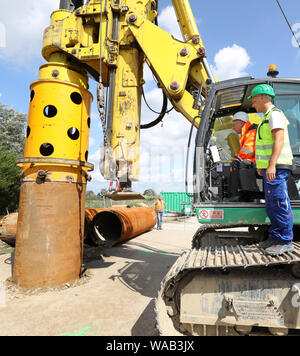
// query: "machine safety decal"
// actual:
[[211, 214]]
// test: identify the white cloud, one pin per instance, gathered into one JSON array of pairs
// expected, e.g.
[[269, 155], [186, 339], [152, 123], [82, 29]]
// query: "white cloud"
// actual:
[[91, 142], [148, 75], [231, 62], [167, 20], [2, 36], [25, 22]]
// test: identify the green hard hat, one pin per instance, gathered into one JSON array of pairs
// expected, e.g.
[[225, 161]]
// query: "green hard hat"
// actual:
[[261, 90]]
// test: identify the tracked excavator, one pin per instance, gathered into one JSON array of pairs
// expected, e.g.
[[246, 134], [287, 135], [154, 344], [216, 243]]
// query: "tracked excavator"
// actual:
[[223, 285]]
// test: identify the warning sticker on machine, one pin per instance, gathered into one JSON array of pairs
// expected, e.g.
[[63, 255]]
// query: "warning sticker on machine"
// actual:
[[211, 214]]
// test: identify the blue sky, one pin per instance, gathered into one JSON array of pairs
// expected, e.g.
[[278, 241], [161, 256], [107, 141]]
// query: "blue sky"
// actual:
[[241, 38]]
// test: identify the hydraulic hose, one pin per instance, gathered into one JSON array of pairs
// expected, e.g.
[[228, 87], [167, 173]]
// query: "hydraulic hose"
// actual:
[[161, 115]]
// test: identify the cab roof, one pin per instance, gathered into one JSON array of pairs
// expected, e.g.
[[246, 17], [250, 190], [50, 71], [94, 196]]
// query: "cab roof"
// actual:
[[232, 95]]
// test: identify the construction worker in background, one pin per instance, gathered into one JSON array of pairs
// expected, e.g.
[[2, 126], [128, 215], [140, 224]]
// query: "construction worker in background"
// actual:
[[159, 206], [244, 159], [274, 162]]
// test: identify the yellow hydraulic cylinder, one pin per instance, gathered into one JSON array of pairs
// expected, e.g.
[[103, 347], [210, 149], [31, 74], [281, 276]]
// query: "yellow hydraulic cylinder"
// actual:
[[186, 20], [50, 229]]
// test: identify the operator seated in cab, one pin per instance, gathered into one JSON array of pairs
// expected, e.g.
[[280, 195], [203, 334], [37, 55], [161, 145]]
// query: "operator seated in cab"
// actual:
[[242, 182]]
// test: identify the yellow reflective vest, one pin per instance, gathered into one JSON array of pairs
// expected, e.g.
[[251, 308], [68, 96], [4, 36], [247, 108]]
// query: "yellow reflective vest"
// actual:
[[264, 144], [160, 205]]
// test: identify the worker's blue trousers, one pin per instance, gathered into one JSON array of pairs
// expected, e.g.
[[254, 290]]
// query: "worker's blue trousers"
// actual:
[[159, 215], [278, 207]]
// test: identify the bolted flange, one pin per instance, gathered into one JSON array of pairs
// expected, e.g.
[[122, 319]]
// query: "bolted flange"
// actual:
[[201, 52], [196, 40], [41, 176], [174, 86], [132, 18], [55, 73], [184, 52]]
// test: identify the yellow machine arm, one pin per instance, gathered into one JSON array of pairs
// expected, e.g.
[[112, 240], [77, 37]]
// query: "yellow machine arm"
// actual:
[[111, 40]]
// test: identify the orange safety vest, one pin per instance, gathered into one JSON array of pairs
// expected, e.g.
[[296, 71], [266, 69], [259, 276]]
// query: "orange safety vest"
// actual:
[[247, 141], [160, 205]]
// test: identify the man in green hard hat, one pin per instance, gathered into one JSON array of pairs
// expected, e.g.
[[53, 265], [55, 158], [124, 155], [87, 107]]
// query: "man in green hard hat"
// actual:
[[274, 162]]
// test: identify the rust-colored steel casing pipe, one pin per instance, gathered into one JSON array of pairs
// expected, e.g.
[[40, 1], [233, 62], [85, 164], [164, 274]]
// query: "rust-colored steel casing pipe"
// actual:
[[8, 228], [106, 226], [112, 226], [91, 234]]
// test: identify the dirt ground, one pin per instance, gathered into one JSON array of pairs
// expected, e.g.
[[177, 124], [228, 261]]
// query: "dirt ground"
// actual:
[[115, 298]]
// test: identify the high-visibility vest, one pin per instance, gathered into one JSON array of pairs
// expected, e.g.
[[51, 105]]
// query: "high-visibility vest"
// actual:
[[247, 142], [264, 144], [160, 205]]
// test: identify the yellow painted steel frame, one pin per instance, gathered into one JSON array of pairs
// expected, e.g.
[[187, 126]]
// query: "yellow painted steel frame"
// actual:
[[165, 58], [119, 35]]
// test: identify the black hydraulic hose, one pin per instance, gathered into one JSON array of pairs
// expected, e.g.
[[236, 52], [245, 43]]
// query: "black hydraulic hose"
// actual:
[[77, 3], [161, 115], [156, 18]]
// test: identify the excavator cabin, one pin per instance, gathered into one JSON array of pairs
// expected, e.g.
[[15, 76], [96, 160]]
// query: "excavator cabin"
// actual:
[[217, 144], [226, 284]]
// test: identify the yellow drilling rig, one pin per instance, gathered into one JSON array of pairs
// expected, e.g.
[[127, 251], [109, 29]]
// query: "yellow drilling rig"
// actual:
[[224, 285]]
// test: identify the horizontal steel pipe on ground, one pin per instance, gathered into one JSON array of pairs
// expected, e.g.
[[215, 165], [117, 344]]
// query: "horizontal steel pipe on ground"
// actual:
[[8, 228], [112, 226], [117, 224]]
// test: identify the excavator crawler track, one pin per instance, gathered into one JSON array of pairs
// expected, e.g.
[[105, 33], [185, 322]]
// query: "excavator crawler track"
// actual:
[[228, 261], [228, 257]]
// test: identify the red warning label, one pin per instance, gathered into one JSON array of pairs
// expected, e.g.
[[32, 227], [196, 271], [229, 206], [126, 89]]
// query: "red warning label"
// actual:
[[211, 214]]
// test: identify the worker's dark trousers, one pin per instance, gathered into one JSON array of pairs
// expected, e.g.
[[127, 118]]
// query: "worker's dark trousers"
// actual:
[[278, 207]]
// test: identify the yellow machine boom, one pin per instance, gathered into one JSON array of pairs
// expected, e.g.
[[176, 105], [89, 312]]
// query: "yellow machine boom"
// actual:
[[113, 39]]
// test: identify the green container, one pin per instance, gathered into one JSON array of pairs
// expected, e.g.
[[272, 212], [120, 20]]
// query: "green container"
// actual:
[[175, 202]]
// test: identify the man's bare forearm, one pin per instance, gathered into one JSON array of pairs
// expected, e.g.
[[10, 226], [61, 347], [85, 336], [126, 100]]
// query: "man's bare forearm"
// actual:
[[278, 135]]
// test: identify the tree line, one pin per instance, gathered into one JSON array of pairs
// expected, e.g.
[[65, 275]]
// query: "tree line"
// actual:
[[12, 139]]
